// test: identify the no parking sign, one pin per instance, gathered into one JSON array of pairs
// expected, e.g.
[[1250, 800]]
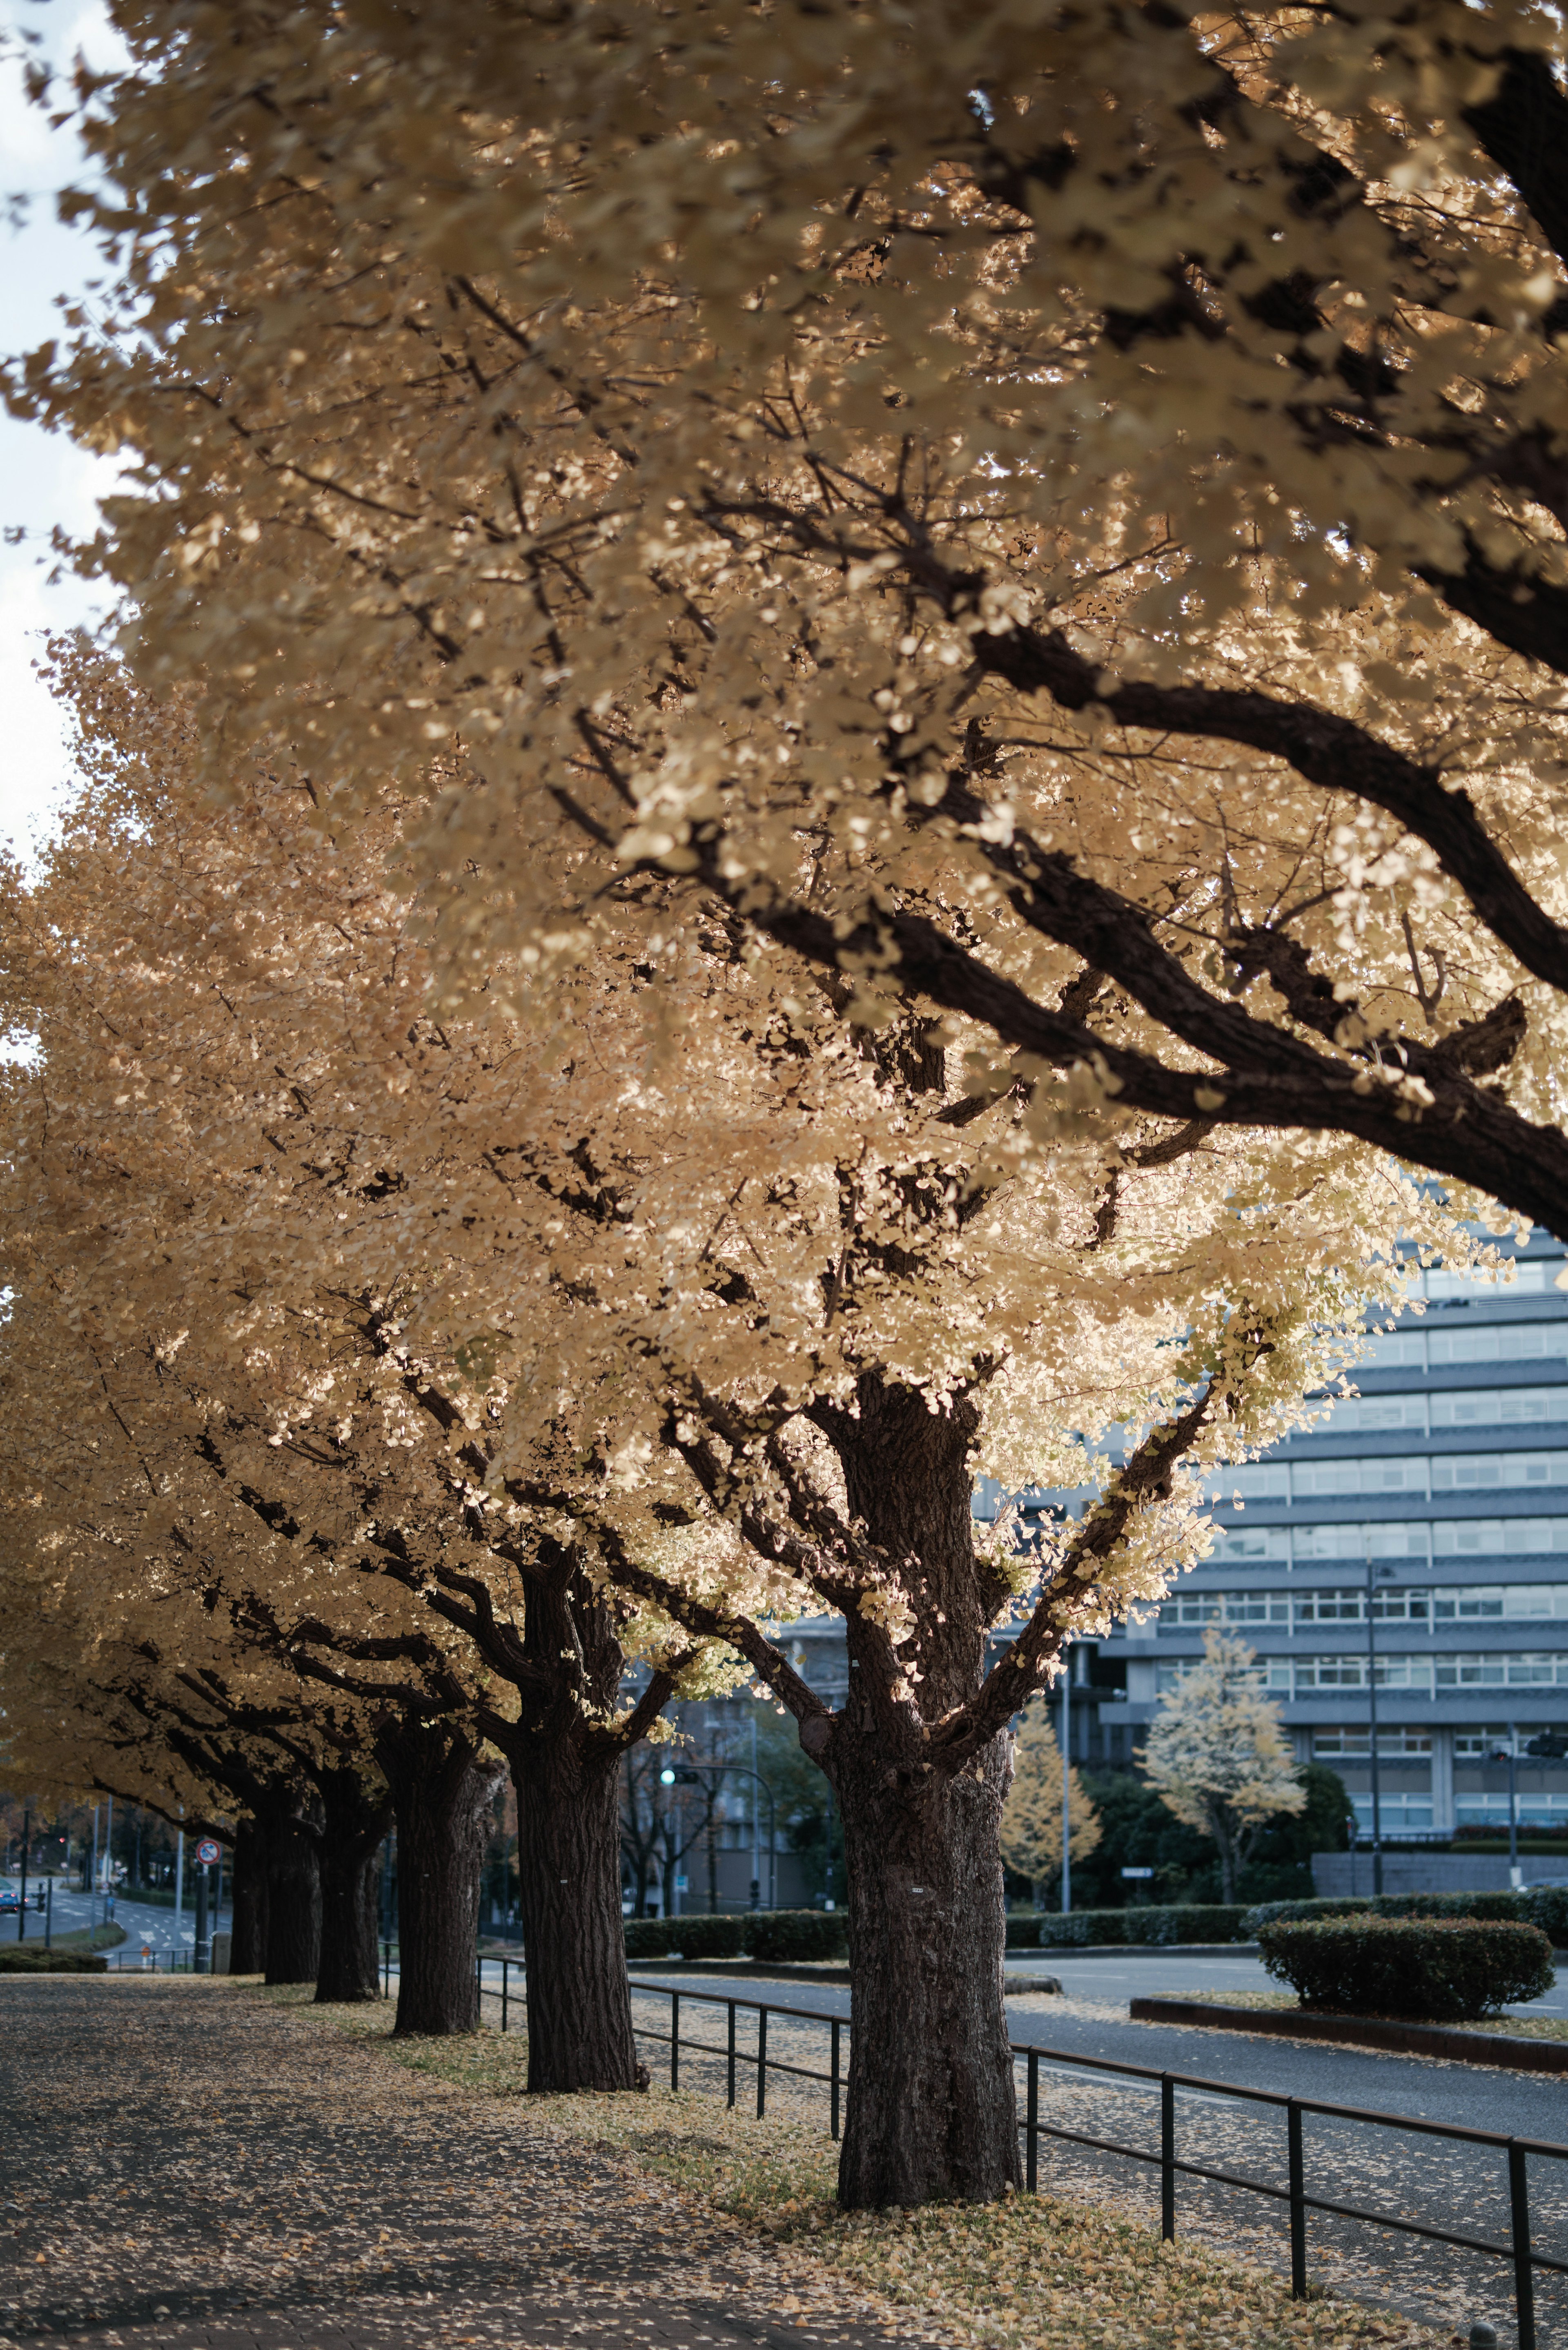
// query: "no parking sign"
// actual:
[[208, 1851]]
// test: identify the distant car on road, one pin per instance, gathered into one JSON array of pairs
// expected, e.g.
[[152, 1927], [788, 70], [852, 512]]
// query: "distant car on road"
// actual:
[[9, 1897]]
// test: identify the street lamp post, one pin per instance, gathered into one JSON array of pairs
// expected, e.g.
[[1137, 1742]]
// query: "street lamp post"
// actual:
[[676, 1774], [22, 1908], [1066, 1785], [1510, 1754], [1382, 1574]]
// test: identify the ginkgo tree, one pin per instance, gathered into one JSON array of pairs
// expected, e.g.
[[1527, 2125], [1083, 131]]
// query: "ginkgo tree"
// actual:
[[1023, 490], [1218, 1756]]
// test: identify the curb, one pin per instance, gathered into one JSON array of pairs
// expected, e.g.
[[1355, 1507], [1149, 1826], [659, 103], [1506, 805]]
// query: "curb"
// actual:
[[1353, 2031], [1057, 1950]]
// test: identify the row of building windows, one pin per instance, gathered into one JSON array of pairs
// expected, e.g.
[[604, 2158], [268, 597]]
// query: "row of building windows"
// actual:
[[1526, 1275], [1351, 1740], [1454, 1603], [1420, 1348], [1460, 1407], [1435, 1675], [1443, 1472], [1400, 1538]]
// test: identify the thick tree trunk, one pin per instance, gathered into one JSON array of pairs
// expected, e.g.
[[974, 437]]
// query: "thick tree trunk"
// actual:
[[568, 1866], [441, 1792], [293, 1900], [355, 1821], [933, 2113], [247, 1941]]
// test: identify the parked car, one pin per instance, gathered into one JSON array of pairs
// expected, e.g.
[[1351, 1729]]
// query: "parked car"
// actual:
[[9, 1897]]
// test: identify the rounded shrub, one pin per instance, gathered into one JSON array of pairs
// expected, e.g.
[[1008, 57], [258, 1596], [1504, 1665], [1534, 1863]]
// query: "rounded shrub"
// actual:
[[1546, 1905], [648, 1937], [1436, 1970]]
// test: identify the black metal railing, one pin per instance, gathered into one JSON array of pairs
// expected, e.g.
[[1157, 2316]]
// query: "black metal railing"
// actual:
[[1518, 2252]]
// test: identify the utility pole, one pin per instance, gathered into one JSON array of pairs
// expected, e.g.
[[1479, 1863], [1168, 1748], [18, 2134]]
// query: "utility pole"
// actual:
[[92, 1901], [26, 1839], [1066, 1785], [1510, 1754], [1372, 1720], [756, 1827], [179, 1885]]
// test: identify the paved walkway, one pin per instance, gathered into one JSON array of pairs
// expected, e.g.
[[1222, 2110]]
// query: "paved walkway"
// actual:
[[183, 2167]]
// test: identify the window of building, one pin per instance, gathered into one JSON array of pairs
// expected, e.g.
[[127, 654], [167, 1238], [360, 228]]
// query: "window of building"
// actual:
[[1348, 1605], [1503, 1469], [1189, 1607], [1495, 1537], [1475, 1745], [1460, 1602], [1500, 1670], [1497, 1342], [1503, 1406], [1353, 1741], [1252, 1545]]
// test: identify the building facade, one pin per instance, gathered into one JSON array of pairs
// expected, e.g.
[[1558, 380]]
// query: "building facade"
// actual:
[[1445, 1482], [1447, 1477]]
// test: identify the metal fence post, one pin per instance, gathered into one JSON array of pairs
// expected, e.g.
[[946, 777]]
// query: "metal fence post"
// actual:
[[1168, 2157], [1032, 2127], [386, 1968], [505, 1980], [731, 2004], [1298, 2199], [836, 2029], [762, 2060], [1523, 2278], [675, 2040]]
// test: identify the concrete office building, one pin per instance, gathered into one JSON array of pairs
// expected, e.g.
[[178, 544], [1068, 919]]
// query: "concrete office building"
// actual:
[[1449, 1472]]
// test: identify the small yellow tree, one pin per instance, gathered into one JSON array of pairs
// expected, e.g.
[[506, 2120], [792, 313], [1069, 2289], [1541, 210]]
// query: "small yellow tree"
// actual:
[[1218, 1756], [1031, 1816]]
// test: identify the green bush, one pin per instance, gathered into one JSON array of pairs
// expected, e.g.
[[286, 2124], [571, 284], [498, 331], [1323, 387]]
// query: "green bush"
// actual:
[[23, 1961], [791, 1935], [1518, 1909], [1154, 1921], [648, 1937], [1442, 1969], [773, 1935], [1546, 1905], [709, 1937], [1022, 1929]]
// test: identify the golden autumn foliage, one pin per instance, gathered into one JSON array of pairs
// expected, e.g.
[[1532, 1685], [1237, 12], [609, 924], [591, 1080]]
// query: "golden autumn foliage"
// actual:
[[1031, 1816]]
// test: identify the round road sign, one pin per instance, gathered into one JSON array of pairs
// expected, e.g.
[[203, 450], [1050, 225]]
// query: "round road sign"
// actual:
[[208, 1851]]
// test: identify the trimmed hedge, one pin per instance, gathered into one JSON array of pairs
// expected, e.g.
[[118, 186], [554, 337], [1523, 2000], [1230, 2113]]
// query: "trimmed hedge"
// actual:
[[1438, 1969], [784, 1935], [1187, 1921], [1546, 1906], [775, 1935], [23, 1961]]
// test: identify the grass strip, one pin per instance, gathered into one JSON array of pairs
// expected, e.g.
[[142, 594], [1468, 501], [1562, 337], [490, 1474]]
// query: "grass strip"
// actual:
[[1523, 2027], [1030, 2272]]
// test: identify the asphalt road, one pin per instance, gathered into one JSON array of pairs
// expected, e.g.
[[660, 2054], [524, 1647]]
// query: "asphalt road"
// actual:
[[143, 1922]]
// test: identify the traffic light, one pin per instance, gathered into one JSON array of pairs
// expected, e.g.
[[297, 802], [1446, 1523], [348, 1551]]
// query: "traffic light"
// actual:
[[678, 1775], [1549, 1747]]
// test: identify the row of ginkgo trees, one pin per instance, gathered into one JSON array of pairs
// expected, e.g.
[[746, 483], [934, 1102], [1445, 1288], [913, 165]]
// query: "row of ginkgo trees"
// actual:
[[382, 1381]]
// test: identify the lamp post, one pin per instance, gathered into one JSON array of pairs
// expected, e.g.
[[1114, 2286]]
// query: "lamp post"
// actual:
[[1066, 1785], [690, 1775], [1510, 1754], [21, 1905], [1381, 1574]]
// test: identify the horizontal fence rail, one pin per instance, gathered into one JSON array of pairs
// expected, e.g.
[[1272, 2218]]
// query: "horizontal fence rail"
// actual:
[[1518, 2252]]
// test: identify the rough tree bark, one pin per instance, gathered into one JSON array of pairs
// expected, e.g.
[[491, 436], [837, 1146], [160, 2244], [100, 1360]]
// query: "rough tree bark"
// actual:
[[931, 2110], [247, 1944], [293, 1895], [354, 1821], [442, 1789], [568, 1854]]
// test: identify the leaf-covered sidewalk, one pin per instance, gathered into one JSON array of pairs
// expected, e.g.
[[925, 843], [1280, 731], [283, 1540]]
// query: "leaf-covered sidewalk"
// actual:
[[182, 2165]]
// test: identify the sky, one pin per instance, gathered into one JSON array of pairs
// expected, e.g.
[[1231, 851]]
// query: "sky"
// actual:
[[45, 481]]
